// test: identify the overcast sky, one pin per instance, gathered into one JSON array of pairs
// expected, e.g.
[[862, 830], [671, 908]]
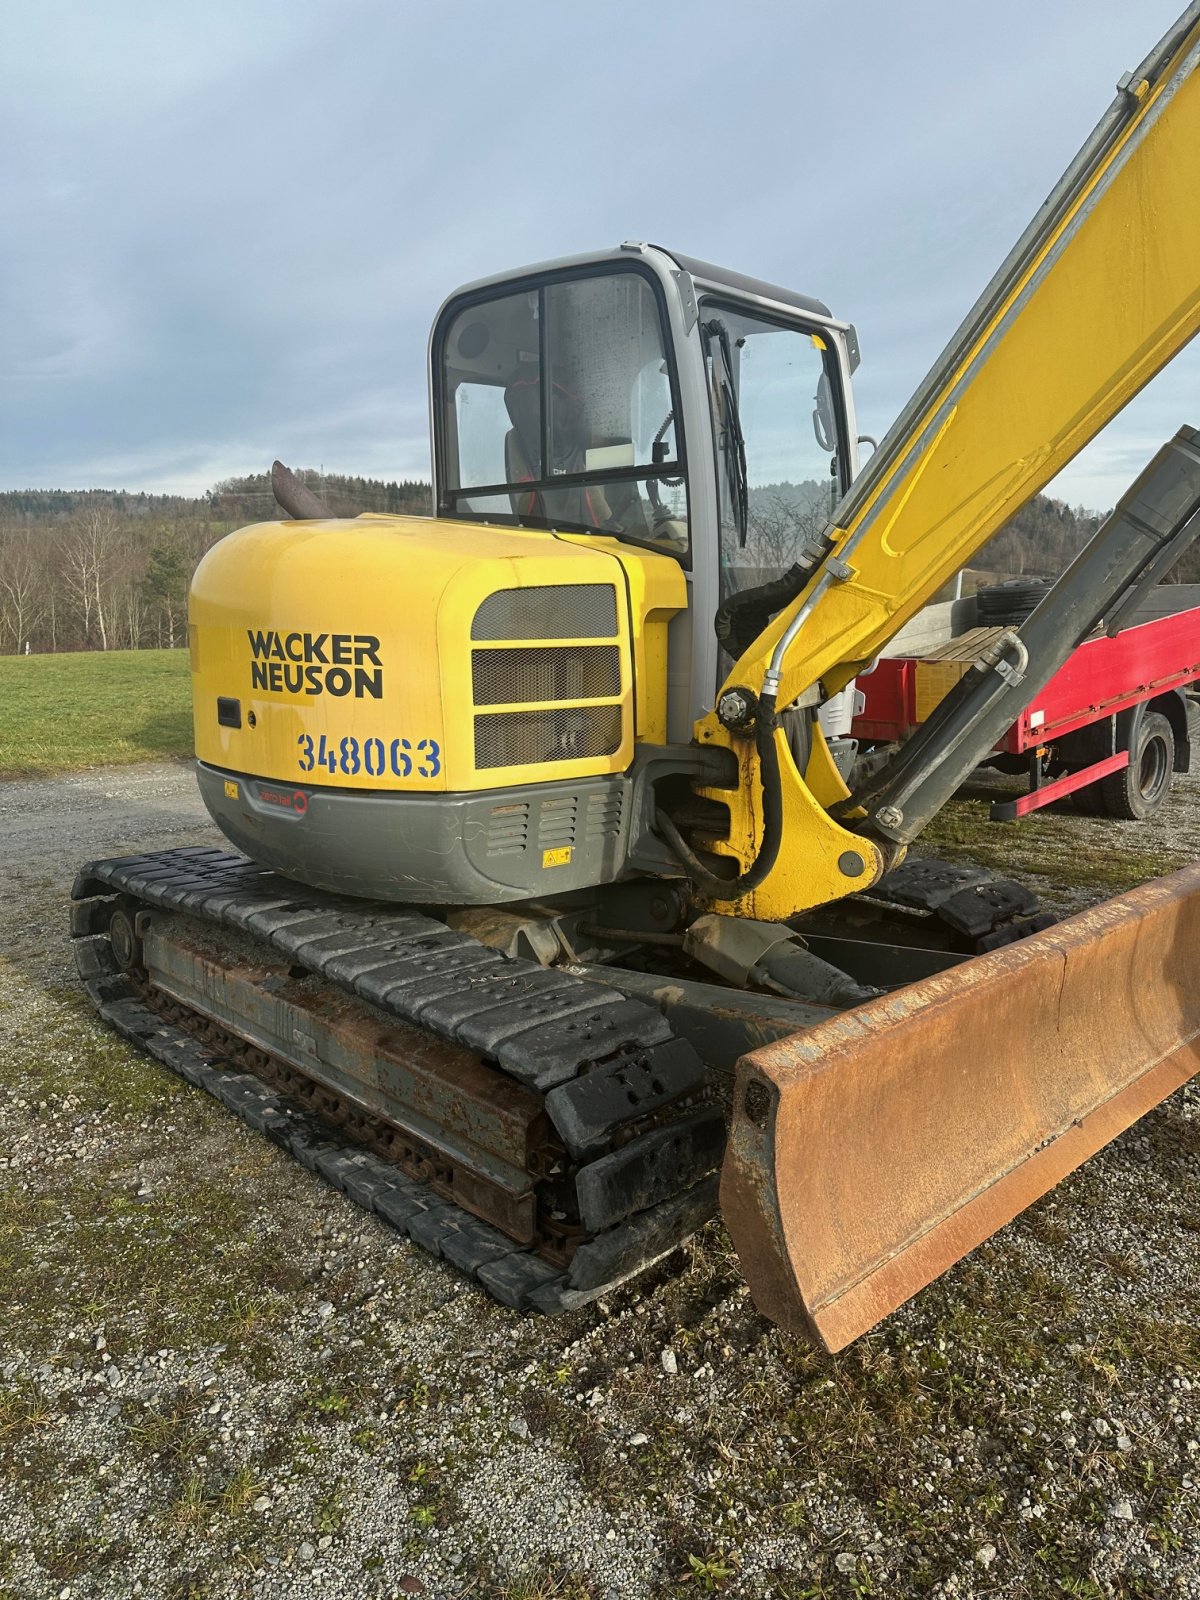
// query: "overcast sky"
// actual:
[[228, 225]]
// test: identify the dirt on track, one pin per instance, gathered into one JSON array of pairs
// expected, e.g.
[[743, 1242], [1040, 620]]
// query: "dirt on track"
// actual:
[[218, 1378]]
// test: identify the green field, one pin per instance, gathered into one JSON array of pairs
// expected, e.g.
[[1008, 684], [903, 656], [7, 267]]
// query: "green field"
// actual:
[[58, 713]]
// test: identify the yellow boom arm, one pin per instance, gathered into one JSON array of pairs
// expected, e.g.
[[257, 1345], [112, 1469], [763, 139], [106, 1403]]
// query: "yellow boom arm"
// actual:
[[1099, 294]]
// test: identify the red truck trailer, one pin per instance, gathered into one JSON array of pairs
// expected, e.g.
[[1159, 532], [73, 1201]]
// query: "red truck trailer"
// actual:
[[1111, 727]]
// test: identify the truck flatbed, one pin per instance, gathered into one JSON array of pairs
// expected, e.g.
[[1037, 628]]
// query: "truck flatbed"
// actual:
[[1085, 719]]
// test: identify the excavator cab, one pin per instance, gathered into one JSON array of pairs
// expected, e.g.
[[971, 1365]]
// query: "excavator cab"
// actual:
[[623, 444], [644, 396], [574, 430]]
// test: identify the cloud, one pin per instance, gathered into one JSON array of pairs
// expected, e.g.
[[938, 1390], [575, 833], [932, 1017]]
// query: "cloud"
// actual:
[[232, 225]]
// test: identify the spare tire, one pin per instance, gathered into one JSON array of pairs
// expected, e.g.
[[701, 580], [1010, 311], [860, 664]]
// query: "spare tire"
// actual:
[[1007, 604]]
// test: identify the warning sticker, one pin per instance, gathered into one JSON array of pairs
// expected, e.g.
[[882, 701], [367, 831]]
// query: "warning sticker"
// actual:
[[557, 858]]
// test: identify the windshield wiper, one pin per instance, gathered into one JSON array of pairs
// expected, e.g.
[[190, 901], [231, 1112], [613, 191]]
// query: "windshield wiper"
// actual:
[[733, 442]]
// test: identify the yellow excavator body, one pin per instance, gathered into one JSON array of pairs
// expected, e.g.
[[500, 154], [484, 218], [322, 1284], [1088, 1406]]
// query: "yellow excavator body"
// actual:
[[546, 757]]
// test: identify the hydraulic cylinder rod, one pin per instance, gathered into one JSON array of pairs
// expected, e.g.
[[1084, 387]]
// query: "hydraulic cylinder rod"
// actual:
[[984, 703]]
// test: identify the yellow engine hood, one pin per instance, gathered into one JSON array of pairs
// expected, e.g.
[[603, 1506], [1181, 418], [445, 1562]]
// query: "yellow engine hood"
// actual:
[[344, 650]]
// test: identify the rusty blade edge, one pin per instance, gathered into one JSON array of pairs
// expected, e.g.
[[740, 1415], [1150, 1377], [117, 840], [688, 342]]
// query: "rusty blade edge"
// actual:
[[1104, 1112], [760, 1188], [910, 1269]]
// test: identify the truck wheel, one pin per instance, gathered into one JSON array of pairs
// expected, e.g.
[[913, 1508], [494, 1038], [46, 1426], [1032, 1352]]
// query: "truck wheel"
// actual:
[[1138, 791]]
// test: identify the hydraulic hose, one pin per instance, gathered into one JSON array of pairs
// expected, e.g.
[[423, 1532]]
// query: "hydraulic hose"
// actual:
[[742, 617], [716, 888]]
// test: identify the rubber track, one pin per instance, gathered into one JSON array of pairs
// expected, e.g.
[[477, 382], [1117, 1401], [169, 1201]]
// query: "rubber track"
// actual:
[[541, 1026]]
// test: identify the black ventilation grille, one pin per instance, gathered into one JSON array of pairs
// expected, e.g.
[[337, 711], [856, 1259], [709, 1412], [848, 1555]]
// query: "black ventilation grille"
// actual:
[[516, 677], [555, 611], [556, 821], [508, 829], [527, 738], [603, 812]]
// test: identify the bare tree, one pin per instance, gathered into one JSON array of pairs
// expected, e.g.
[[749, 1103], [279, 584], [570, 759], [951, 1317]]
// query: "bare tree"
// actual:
[[90, 552], [780, 525], [21, 588]]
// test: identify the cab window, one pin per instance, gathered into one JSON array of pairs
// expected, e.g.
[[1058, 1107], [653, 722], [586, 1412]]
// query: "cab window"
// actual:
[[778, 451], [557, 409]]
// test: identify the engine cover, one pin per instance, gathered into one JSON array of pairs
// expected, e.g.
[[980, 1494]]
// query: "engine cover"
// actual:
[[416, 655]]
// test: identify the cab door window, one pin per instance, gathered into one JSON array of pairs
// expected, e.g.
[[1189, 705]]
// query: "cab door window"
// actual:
[[766, 379]]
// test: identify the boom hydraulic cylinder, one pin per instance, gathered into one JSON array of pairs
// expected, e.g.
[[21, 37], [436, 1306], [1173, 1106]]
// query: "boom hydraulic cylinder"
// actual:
[[912, 789]]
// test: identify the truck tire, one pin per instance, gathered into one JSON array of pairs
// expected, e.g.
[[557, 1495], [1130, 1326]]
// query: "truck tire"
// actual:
[[1137, 792], [1008, 604]]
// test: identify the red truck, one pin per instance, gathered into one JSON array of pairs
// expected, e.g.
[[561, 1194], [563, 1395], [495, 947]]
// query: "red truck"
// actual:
[[1111, 727]]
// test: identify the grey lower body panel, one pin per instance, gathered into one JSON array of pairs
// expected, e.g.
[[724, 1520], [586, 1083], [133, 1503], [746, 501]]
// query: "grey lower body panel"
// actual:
[[482, 848]]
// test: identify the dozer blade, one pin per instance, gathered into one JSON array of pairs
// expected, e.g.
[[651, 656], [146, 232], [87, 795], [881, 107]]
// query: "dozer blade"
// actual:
[[871, 1152]]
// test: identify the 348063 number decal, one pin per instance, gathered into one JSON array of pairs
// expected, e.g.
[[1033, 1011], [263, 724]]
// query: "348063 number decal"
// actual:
[[376, 757]]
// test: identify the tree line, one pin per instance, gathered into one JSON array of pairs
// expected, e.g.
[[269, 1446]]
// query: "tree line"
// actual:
[[1040, 540], [100, 569]]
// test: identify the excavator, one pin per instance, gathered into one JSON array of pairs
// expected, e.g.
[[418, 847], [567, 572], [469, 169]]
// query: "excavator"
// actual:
[[560, 908]]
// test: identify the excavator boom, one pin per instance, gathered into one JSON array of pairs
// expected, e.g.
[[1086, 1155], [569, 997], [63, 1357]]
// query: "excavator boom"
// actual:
[[869, 1153], [1097, 297]]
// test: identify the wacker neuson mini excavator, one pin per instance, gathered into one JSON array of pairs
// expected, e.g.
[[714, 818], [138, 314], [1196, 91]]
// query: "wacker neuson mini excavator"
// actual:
[[563, 904]]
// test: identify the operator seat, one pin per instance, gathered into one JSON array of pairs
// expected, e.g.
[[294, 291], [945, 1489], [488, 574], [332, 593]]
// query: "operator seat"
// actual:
[[523, 446], [614, 508]]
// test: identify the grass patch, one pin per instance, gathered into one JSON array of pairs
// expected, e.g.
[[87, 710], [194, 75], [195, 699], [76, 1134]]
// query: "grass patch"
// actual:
[[107, 1261], [202, 1502], [79, 1553], [1046, 844], [548, 1580], [44, 1051], [78, 1242], [97, 707]]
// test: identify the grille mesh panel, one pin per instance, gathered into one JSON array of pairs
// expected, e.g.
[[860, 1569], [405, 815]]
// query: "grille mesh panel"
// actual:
[[515, 677], [523, 738], [557, 611]]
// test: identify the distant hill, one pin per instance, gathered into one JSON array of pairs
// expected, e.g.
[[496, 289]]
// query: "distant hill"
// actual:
[[233, 500], [1042, 538], [249, 499]]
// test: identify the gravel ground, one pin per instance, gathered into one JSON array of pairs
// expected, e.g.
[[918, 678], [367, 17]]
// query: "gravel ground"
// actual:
[[217, 1378]]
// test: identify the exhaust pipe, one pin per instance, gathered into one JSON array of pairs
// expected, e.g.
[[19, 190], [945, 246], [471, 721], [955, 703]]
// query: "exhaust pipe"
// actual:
[[294, 496]]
